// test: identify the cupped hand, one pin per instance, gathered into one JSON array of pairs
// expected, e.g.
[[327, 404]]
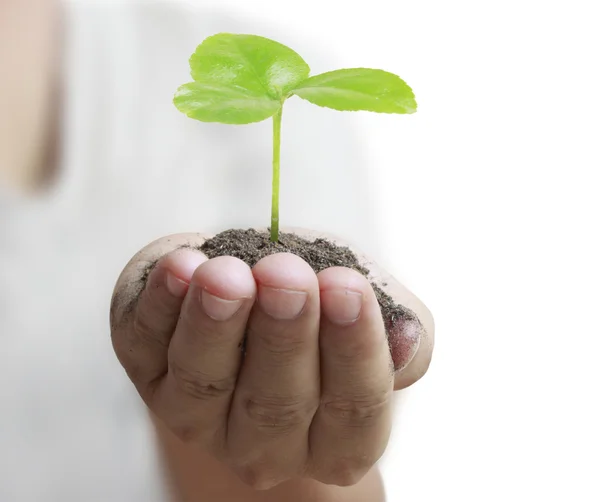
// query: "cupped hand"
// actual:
[[275, 371]]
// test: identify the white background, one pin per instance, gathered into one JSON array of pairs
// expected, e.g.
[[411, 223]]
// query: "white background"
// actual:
[[488, 205], [489, 202]]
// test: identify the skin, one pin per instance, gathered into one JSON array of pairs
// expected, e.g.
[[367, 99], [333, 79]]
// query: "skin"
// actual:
[[28, 92], [307, 410], [307, 413]]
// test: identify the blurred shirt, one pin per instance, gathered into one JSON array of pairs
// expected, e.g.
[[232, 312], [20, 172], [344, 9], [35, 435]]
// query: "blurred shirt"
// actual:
[[133, 169]]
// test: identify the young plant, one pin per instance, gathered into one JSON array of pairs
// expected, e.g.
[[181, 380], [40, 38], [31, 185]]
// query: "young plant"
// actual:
[[242, 79]]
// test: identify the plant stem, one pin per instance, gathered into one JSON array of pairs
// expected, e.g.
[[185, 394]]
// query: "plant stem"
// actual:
[[276, 159]]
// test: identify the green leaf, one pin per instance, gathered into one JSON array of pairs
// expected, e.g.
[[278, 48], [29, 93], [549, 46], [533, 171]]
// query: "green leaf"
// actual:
[[249, 61], [359, 89], [239, 79], [227, 104]]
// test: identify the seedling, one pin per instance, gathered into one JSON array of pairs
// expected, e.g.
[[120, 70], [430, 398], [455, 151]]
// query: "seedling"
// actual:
[[242, 79]]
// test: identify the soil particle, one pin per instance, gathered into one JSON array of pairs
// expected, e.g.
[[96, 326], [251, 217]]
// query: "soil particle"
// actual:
[[251, 246]]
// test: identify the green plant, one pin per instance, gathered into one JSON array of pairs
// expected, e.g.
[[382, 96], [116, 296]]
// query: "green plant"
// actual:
[[241, 79]]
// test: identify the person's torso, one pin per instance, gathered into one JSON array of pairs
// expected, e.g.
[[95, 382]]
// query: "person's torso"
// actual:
[[134, 169]]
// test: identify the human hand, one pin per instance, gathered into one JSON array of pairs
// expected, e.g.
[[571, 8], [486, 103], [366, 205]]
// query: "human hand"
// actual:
[[311, 395]]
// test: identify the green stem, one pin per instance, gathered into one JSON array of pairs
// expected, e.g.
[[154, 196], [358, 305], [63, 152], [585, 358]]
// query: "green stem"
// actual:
[[276, 158]]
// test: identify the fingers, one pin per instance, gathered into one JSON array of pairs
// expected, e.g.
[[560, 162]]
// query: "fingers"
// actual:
[[351, 428], [142, 342], [411, 335], [278, 388], [205, 352], [310, 397]]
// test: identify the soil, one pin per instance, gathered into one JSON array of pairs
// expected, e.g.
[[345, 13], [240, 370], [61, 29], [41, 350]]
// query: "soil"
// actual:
[[251, 246]]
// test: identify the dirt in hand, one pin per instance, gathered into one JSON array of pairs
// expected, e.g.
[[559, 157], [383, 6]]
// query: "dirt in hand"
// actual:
[[251, 246]]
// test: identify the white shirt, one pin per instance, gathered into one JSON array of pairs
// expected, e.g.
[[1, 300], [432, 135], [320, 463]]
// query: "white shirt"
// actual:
[[133, 169]]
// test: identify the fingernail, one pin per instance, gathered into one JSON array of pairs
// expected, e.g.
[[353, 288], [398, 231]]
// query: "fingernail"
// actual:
[[341, 306], [217, 308], [282, 304], [175, 285]]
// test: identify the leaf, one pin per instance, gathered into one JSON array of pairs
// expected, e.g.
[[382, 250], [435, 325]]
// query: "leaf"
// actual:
[[226, 104], [239, 79], [359, 89], [255, 63]]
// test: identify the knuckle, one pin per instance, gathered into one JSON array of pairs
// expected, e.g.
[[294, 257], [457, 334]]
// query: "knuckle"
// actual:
[[145, 332], [282, 346], [278, 415], [356, 412], [257, 477], [195, 431], [346, 472], [353, 349], [211, 333], [198, 386], [185, 433]]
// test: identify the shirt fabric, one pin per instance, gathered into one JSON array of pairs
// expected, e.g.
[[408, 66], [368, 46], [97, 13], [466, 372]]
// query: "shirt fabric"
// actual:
[[132, 169]]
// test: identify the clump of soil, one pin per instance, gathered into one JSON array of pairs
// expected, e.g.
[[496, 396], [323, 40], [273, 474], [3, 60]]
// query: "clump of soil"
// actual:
[[251, 246]]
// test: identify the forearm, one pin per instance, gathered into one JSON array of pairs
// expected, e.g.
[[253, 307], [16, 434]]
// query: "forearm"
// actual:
[[196, 477]]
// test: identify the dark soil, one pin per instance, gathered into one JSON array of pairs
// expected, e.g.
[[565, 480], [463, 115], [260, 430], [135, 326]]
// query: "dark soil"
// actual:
[[251, 246]]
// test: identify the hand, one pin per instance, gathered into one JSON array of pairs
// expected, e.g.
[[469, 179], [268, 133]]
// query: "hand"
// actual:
[[309, 396]]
